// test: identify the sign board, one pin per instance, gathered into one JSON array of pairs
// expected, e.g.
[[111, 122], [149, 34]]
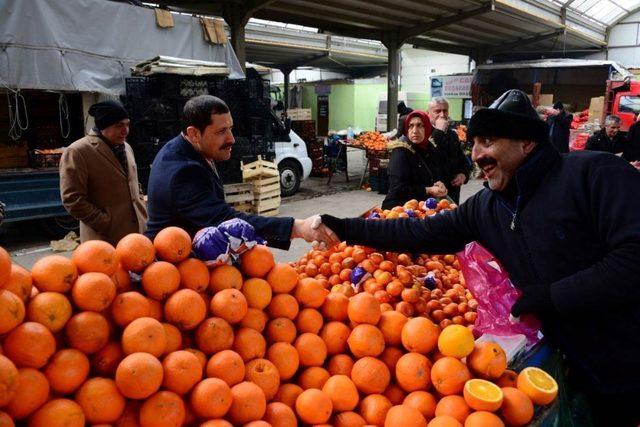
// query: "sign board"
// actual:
[[322, 89], [458, 86]]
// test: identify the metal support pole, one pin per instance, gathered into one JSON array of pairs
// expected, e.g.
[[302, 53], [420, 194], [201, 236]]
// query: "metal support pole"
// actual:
[[392, 43], [237, 18], [285, 98]]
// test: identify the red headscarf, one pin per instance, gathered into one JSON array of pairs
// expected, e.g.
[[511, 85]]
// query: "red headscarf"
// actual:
[[425, 122]]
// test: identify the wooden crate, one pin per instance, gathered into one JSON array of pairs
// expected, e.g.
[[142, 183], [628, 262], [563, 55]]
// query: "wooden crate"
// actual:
[[239, 196], [266, 195], [259, 169], [299, 113]]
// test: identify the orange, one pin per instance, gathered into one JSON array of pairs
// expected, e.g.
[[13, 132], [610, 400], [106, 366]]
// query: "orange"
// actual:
[[93, 292], [128, 306], [541, 388], [335, 307], [456, 341], [174, 338], [406, 416], [310, 293], [395, 393], [257, 261], [391, 324], [309, 320], [229, 304], [12, 311], [194, 274], [311, 349], [313, 377], [52, 309], [5, 266], [508, 378], [211, 398], [444, 421], [29, 345], [31, 393], [248, 403], [420, 335], [487, 360], [282, 278], [87, 331], [95, 256], [226, 365], [364, 308], [106, 360], [287, 394], [370, 375], [100, 400], [213, 335], [348, 419], [483, 419], [449, 375], [366, 340], [283, 305], [314, 406], [279, 414], [257, 292], [135, 252], [342, 392], [423, 401], [185, 309], [172, 244], [9, 380], [144, 335], [19, 282], [67, 370], [162, 409], [139, 375], [249, 344], [54, 273], [374, 408], [254, 319], [335, 336], [281, 330], [160, 280], [122, 279], [413, 372], [454, 406], [58, 413], [265, 375], [483, 395], [340, 364], [517, 408], [225, 277]]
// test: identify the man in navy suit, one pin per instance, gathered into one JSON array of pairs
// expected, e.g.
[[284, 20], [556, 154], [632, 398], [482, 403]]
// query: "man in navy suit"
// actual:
[[186, 191]]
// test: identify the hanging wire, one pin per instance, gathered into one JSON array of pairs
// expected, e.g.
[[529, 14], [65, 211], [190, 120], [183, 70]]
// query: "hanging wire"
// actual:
[[63, 114], [18, 117]]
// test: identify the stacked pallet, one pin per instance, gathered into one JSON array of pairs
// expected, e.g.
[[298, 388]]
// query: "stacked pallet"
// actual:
[[239, 196], [264, 178]]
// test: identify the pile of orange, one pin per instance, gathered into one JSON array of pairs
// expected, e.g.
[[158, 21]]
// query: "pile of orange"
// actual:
[[254, 345], [372, 140], [414, 208]]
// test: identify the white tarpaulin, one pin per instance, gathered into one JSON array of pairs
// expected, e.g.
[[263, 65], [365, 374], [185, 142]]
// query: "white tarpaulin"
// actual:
[[91, 45]]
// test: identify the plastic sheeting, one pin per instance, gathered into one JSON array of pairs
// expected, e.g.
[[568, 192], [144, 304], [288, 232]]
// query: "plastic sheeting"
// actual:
[[90, 45]]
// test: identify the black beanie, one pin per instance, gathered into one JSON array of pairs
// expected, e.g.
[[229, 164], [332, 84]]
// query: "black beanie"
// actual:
[[558, 106], [107, 113], [510, 116]]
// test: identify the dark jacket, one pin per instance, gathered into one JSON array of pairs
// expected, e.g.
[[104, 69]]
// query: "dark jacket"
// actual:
[[599, 141], [559, 128], [451, 160], [184, 191], [410, 171], [631, 151], [573, 225]]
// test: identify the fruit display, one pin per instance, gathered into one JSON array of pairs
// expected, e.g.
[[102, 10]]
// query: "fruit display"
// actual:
[[372, 140], [413, 209], [254, 344]]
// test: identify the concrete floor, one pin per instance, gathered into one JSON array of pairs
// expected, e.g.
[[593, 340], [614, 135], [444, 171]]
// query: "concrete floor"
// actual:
[[26, 242]]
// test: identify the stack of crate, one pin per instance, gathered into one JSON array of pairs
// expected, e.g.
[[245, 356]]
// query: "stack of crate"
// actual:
[[239, 196], [265, 180]]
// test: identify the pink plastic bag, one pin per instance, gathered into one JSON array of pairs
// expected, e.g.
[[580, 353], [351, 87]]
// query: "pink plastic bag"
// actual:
[[490, 285]]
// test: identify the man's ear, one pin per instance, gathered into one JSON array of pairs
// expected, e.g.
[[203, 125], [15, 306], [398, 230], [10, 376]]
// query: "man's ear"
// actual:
[[528, 146], [193, 133]]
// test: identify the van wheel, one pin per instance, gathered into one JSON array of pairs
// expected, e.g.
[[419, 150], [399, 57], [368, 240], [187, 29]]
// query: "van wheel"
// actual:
[[290, 177]]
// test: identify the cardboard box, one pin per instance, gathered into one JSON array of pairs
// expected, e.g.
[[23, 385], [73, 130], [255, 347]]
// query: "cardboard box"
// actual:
[[596, 108], [545, 99]]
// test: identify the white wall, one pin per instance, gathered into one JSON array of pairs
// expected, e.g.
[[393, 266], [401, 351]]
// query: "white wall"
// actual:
[[624, 42], [305, 74], [418, 65]]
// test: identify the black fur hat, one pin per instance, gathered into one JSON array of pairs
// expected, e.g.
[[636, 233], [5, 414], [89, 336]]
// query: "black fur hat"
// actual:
[[510, 116]]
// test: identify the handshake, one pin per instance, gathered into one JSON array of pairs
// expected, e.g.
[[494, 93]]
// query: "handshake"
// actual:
[[313, 230]]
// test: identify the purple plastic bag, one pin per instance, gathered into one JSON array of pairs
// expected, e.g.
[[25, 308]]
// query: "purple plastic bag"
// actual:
[[489, 283], [211, 246], [241, 235]]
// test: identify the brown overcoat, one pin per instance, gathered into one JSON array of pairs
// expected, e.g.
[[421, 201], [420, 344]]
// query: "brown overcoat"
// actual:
[[96, 191]]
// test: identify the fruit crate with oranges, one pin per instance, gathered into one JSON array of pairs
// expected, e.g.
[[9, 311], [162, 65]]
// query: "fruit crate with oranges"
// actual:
[[239, 196]]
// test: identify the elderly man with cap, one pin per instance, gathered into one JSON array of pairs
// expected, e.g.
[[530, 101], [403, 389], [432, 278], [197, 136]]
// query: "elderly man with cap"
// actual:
[[99, 180], [559, 122], [566, 228]]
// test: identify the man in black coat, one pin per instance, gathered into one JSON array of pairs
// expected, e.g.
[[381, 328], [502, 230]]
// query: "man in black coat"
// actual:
[[559, 122], [567, 230], [608, 139], [631, 151], [186, 191], [453, 164]]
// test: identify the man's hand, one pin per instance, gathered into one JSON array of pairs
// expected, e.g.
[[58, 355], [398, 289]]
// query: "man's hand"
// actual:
[[458, 180], [437, 190], [312, 230], [535, 299], [636, 164], [442, 124]]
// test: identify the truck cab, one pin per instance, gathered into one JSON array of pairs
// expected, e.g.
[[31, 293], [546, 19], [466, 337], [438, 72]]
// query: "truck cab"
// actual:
[[623, 100]]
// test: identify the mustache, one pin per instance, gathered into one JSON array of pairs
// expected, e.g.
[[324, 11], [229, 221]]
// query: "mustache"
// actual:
[[486, 161], [225, 146]]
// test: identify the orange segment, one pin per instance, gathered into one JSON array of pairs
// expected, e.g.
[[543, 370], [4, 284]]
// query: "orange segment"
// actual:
[[482, 395], [538, 385]]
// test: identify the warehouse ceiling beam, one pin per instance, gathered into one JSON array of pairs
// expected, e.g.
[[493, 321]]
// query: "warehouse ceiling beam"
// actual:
[[440, 47], [505, 47], [237, 16], [444, 21]]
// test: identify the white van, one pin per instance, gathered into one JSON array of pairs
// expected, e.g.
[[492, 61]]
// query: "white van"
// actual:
[[293, 162]]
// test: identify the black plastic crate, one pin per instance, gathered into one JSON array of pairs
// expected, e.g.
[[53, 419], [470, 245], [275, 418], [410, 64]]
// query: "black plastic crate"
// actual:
[[139, 87], [258, 88], [259, 107], [142, 131], [217, 87], [172, 86], [253, 147], [145, 152], [154, 109], [236, 88], [143, 177]]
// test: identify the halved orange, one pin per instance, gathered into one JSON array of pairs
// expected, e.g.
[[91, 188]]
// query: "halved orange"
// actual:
[[482, 395], [541, 388]]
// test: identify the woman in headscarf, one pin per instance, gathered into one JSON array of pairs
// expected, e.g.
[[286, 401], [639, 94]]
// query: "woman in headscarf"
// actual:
[[413, 168]]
